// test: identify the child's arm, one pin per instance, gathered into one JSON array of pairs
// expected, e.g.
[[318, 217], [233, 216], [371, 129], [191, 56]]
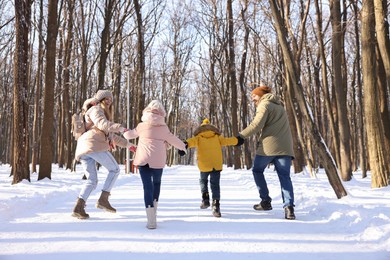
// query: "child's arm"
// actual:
[[192, 142], [228, 141]]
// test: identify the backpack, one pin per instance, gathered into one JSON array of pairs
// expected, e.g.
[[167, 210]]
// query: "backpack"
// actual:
[[78, 125]]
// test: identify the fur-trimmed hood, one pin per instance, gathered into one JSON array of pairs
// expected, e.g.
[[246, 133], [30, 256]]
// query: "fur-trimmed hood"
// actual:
[[205, 128]]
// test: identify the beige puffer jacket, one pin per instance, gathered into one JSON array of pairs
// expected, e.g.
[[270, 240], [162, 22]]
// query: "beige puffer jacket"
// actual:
[[272, 122], [100, 134]]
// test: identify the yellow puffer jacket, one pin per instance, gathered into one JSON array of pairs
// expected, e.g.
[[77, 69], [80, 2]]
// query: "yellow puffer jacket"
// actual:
[[209, 142]]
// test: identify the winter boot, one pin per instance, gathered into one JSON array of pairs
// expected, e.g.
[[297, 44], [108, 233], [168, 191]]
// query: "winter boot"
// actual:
[[205, 200], [216, 209], [103, 203], [151, 216], [289, 212], [263, 205], [155, 205], [78, 211]]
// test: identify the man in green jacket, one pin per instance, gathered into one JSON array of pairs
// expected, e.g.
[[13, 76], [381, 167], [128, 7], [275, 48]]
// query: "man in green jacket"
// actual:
[[274, 146]]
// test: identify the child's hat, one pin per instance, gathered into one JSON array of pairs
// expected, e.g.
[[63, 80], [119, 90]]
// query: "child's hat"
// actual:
[[205, 122]]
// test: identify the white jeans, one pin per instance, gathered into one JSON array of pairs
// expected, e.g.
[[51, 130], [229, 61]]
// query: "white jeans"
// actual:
[[88, 161]]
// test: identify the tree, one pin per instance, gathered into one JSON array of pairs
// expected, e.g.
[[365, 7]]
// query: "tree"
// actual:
[[296, 90], [338, 64], [105, 41], [233, 82], [37, 96], [20, 162], [378, 156], [47, 136]]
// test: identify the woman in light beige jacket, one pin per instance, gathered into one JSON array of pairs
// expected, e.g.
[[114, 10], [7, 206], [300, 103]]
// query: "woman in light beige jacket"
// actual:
[[94, 146]]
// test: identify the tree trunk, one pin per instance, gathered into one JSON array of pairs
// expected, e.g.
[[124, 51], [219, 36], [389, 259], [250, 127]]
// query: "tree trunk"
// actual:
[[296, 88], [37, 96], [47, 135], [67, 115], [105, 42], [140, 69], [244, 99], [325, 83], [20, 162], [383, 41], [362, 149], [378, 157], [341, 91], [233, 82]]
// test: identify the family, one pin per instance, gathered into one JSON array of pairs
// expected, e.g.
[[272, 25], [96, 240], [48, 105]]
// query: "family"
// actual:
[[102, 136]]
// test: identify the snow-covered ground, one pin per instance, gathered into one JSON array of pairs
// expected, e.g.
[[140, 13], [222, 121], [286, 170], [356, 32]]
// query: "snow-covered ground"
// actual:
[[36, 222]]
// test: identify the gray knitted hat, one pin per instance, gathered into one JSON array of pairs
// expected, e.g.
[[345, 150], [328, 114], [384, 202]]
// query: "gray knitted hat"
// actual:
[[102, 94]]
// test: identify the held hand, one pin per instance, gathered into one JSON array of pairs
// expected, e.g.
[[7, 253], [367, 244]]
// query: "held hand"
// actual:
[[240, 140], [133, 148], [182, 153], [123, 129]]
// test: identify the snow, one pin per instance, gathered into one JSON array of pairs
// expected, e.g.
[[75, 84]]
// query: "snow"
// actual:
[[36, 221]]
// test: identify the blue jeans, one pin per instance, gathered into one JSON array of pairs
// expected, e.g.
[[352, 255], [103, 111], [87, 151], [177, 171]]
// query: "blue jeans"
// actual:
[[151, 180], [282, 166], [215, 176], [88, 161]]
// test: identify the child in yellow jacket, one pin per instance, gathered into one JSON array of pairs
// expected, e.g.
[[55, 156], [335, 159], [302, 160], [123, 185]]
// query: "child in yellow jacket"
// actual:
[[209, 141]]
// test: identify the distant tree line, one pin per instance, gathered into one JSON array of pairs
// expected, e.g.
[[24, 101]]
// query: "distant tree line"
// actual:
[[329, 61]]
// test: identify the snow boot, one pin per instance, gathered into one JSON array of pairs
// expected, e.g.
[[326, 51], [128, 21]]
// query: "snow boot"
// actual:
[[155, 205], [151, 217], [79, 211], [263, 205], [289, 212], [216, 209], [205, 200], [103, 203]]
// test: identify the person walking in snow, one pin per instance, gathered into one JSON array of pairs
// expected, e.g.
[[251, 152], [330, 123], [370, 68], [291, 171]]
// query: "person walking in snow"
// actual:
[[274, 146], [94, 146], [154, 139], [209, 142]]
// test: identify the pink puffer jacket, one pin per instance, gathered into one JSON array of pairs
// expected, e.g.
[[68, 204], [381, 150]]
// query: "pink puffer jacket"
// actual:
[[154, 137]]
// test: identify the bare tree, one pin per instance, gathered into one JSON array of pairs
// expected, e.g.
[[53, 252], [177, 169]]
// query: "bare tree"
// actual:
[[378, 156], [37, 96], [47, 135], [105, 41], [296, 89], [20, 163], [338, 65]]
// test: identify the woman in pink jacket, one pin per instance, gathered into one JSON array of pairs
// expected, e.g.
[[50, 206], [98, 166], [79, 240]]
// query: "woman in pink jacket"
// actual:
[[154, 137]]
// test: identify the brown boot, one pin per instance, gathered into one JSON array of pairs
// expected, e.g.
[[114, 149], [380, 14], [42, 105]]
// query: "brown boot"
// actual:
[[78, 211], [103, 203]]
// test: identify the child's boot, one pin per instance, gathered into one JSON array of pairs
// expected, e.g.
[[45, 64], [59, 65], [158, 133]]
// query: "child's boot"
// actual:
[[205, 200], [216, 209]]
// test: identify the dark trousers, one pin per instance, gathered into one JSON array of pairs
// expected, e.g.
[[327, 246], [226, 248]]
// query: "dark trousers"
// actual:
[[151, 180], [215, 176]]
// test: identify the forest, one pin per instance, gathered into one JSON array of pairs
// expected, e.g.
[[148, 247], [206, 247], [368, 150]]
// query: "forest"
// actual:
[[328, 60]]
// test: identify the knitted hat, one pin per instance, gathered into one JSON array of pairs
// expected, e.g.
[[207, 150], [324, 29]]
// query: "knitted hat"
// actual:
[[89, 101], [260, 91], [102, 94], [205, 122]]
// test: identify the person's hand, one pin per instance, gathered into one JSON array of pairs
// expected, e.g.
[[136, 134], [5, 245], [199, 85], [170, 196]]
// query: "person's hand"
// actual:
[[133, 148], [240, 140], [182, 153], [123, 129]]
